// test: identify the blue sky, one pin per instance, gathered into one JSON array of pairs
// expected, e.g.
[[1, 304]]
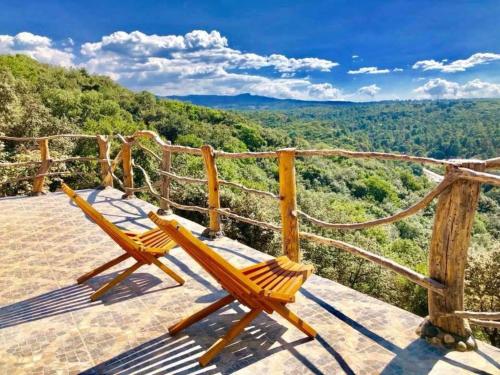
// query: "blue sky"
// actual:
[[321, 50]]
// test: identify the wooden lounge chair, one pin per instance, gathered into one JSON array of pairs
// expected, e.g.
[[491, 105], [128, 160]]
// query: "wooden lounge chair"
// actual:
[[267, 286], [145, 247]]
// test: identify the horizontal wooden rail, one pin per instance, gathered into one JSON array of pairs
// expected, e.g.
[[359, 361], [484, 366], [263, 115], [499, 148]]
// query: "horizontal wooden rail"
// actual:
[[25, 178], [485, 323], [77, 158], [189, 180], [49, 137], [20, 163], [414, 276], [183, 150], [249, 190], [485, 178], [420, 205], [476, 314], [262, 224], [246, 155], [53, 161], [192, 180], [492, 163], [373, 155]]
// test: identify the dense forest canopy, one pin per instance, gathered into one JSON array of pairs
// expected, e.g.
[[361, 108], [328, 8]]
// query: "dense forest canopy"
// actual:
[[444, 129], [38, 100]]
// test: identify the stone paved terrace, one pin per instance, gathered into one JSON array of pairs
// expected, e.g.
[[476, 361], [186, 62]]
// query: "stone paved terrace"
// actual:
[[48, 325]]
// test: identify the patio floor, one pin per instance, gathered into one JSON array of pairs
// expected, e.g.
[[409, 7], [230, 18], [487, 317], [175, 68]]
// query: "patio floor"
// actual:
[[48, 324]]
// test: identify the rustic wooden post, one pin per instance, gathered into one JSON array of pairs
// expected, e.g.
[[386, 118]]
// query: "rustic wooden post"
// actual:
[[128, 173], [104, 144], [288, 204], [215, 228], [44, 166], [166, 166], [450, 240]]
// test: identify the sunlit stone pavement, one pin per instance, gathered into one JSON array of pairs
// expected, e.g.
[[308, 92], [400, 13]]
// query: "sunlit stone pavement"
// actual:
[[49, 326]]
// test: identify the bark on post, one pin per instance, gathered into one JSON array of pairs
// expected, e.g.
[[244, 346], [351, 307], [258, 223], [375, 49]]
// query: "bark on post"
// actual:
[[38, 182], [288, 204], [128, 173], [166, 166], [449, 245], [104, 144], [215, 227]]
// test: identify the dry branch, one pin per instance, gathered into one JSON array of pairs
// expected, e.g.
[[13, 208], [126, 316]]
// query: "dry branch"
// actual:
[[414, 276]]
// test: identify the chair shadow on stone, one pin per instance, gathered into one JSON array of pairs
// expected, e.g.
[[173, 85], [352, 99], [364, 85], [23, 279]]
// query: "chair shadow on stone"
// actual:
[[77, 297], [417, 358], [179, 354]]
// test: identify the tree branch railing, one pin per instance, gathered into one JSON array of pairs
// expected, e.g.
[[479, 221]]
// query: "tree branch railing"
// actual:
[[457, 193]]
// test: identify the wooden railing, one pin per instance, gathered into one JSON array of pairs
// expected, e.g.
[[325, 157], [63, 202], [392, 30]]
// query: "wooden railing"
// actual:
[[458, 195]]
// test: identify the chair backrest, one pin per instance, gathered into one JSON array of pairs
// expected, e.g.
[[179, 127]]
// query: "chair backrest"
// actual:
[[231, 278], [111, 229]]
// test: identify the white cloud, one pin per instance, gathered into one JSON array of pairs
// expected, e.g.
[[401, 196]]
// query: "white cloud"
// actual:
[[370, 90], [397, 70], [354, 57], [369, 70], [197, 46], [439, 88], [203, 63], [35, 46], [457, 65]]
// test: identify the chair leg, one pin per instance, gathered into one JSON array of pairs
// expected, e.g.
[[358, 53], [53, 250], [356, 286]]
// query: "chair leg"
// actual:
[[294, 319], [167, 270], [186, 322], [102, 268], [105, 288], [234, 331]]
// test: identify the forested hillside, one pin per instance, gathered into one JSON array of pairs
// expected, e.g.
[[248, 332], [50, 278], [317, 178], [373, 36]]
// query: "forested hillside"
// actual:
[[36, 100], [442, 129]]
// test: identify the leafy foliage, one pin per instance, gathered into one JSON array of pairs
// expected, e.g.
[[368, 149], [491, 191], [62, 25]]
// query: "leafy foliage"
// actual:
[[37, 100]]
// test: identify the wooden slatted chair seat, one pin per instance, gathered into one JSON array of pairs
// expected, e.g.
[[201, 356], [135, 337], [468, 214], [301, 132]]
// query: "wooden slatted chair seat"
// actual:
[[155, 240], [145, 247], [266, 286], [279, 278]]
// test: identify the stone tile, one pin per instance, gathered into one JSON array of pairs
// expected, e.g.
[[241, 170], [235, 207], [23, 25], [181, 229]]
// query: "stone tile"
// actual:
[[49, 326]]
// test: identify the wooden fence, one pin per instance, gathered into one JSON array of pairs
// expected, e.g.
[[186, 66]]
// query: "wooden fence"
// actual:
[[457, 195]]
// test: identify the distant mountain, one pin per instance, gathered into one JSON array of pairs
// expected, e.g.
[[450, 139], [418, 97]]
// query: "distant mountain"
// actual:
[[249, 101]]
